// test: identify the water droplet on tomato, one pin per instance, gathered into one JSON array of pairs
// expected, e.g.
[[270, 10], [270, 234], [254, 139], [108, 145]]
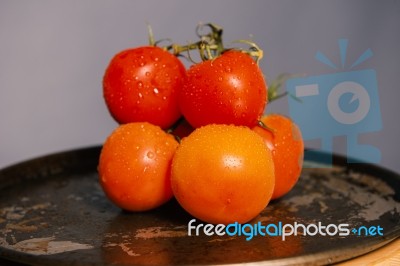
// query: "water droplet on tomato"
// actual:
[[155, 90], [140, 84], [147, 73], [150, 155], [164, 98], [228, 69], [140, 95], [219, 78]]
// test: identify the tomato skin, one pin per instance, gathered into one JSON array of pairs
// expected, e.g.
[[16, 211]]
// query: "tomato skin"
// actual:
[[229, 89], [218, 179], [285, 141], [142, 84], [134, 166]]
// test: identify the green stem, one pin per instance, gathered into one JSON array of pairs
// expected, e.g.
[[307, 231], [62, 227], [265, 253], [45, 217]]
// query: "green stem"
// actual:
[[254, 50], [151, 35], [264, 126], [209, 46], [276, 85]]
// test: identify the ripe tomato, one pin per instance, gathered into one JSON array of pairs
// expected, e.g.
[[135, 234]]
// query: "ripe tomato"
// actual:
[[134, 166], [142, 85], [287, 146], [217, 178], [229, 89]]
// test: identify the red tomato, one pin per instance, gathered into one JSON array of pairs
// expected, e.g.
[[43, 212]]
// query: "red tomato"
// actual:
[[229, 89], [142, 85]]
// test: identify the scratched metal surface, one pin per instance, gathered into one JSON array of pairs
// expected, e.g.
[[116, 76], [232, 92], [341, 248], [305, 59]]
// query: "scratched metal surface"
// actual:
[[53, 212]]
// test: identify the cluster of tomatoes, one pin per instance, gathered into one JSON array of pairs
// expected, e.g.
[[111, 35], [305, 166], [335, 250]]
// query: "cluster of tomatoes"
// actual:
[[198, 135]]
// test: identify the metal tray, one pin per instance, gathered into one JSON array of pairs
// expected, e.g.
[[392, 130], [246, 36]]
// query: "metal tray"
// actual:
[[53, 212]]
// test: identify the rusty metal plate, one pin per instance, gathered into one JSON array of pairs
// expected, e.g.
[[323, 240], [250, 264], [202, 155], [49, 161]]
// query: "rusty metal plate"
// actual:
[[53, 212]]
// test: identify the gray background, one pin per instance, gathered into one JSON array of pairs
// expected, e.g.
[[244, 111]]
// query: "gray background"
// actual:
[[53, 55]]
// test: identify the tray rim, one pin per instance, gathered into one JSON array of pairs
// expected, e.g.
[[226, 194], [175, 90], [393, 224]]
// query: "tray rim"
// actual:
[[338, 159]]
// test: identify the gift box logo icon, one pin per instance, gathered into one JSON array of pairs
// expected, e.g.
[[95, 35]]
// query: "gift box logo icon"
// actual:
[[338, 104]]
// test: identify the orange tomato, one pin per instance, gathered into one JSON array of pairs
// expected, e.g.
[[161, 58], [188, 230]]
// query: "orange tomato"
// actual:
[[283, 137], [135, 164], [223, 174]]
